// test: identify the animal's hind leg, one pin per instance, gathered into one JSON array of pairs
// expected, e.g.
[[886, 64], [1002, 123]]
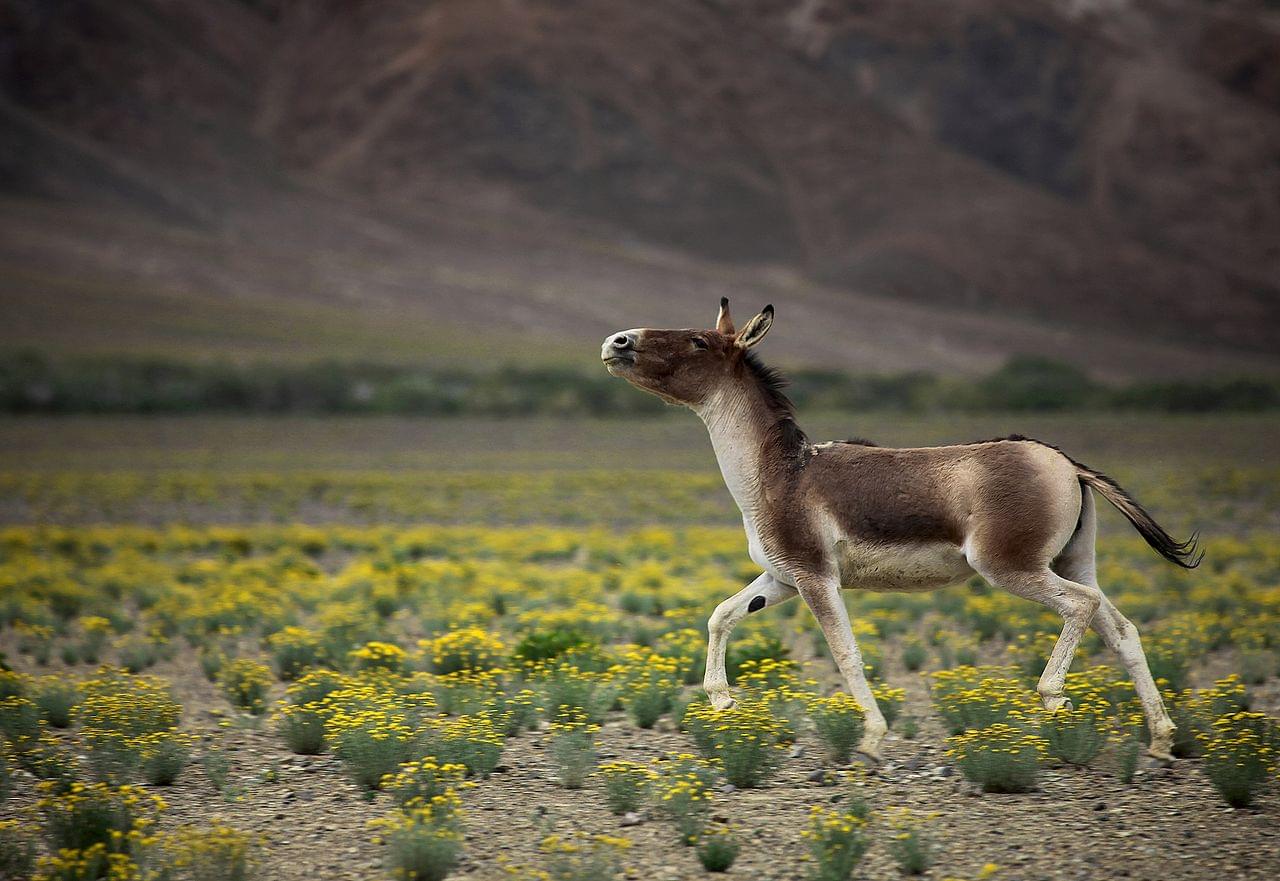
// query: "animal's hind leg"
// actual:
[[765, 591], [1078, 562], [1077, 604]]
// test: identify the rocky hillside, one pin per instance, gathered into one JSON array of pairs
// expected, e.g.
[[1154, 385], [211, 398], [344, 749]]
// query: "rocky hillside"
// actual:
[[936, 183]]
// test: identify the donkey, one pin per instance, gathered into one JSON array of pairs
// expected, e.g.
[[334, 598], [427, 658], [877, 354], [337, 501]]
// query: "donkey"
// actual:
[[821, 518]]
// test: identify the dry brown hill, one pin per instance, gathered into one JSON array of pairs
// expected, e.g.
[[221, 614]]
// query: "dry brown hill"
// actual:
[[915, 184]]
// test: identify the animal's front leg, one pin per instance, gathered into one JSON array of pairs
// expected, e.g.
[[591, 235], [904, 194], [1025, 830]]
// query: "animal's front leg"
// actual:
[[765, 591], [822, 595]]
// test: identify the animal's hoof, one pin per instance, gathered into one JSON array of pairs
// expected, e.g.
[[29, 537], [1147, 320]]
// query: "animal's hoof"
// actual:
[[723, 701], [1160, 758], [1053, 704], [869, 754]]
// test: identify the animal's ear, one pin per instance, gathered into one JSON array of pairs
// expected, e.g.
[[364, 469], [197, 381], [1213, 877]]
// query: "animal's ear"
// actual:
[[724, 323], [756, 329]]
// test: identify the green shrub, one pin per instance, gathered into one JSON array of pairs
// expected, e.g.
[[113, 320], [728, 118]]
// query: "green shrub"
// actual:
[[839, 722], [1241, 753], [422, 781], [302, 728], [91, 814], [215, 852], [718, 849], [573, 747], [473, 741], [19, 721], [911, 843], [654, 684], [56, 697], [137, 653], [245, 682], [294, 650], [164, 756], [682, 792], [548, 645], [914, 654], [582, 857], [743, 739], [626, 785], [424, 842], [1000, 757], [17, 851], [1075, 736], [837, 842]]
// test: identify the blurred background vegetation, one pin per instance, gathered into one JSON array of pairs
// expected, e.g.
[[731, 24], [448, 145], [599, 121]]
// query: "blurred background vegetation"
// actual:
[[33, 383]]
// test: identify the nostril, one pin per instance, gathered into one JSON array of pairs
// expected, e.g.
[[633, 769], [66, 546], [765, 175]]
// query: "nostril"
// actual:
[[622, 341]]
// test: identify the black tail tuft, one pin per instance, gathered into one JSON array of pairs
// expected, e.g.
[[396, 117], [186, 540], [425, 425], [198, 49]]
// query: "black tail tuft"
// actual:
[[1186, 554]]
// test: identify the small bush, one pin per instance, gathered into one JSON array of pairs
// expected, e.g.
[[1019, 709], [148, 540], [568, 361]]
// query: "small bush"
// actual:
[[743, 739], [682, 790], [56, 697], [294, 650], [137, 653], [468, 648], [1000, 757], [839, 722], [19, 721], [718, 849], [977, 697], [573, 747], [302, 728], [890, 700], [422, 781], [836, 841], [567, 691], [88, 814], [583, 857], [164, 756], [1241, 752], [473, 741], [245, 682], [626, 785], [379, 656], [516, 711], [371, 742], [217, 767], [423, 842], [17, 851], [1128, 751], [1076, 736], [216, 852], [911, 843], [95, 631], [914, 654], [49, 760], [465, 691], [653, 686]]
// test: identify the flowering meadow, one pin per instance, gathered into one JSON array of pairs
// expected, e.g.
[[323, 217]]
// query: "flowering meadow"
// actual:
[[501, 680]]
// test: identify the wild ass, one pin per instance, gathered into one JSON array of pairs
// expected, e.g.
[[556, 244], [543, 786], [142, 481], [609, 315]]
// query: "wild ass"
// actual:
[[824, 517]]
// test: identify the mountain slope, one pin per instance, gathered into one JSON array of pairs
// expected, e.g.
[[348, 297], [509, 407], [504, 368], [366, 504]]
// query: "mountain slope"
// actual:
[[932, 185]]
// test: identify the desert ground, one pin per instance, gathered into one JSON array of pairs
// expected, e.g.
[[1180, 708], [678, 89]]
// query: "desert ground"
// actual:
[[199, 539]]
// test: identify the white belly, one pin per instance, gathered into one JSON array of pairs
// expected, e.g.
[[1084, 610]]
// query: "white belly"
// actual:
[[924, 566]]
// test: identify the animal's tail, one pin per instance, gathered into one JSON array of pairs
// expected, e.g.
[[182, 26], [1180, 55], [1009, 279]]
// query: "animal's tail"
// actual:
[[1184, 553]]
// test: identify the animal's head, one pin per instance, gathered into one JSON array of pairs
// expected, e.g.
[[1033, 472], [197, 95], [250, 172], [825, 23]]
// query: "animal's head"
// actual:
[[684, 366]]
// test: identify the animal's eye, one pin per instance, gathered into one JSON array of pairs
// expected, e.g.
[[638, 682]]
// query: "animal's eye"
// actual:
[[700, 343]]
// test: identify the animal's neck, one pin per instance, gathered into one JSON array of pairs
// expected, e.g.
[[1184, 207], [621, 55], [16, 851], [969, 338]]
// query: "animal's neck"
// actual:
[[741, 425]]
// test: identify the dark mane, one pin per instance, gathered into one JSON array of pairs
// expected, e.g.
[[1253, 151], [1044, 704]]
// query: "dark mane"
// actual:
[[772, 383]]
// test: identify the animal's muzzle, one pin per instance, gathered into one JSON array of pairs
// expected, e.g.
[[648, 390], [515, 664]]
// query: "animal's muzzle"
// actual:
[[619, 348]]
